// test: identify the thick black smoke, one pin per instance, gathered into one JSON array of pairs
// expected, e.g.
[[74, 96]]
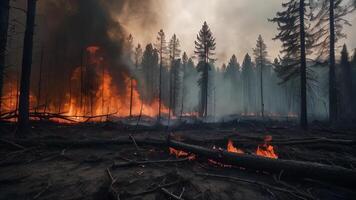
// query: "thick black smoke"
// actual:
[[67, 28]]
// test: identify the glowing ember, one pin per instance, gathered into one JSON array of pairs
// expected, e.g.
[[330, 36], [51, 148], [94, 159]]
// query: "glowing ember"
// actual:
[[179, 153], [232, 148], [266, 150]]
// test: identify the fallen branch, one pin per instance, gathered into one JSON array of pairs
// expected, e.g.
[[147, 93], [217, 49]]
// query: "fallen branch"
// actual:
[[155, 189], [42, 191], [57, 143], [136, 163], [13, 144], [112, 191], [335, 174], [295, 193], [164, 190]]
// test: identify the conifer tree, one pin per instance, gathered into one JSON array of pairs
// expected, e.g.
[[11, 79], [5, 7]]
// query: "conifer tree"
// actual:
[[247, 76], [296, 41], [331, 14], [174, 53], [204, 48], [162, 50], [260, 53], [150, 70], [345, 84]]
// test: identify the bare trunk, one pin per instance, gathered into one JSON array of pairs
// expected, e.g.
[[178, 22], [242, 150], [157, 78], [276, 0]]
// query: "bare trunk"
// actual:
[[303, 66], [4, 23], [24, 104], [40, 80], [261, 77], [332, 78], [131, 95]]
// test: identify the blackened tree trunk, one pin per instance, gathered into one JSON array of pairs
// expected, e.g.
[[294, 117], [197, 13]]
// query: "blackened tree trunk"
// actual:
[[24, 104], [4, 23], [332, 77], [303, 66]]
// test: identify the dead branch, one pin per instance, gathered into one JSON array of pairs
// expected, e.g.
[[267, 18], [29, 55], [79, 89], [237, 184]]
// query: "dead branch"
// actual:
[[42, 191], [56, 143], [164, 190], [112, 191], [13, 144], [335, 174], [156, 188], [136, 163], [134, 142], [261, 184]]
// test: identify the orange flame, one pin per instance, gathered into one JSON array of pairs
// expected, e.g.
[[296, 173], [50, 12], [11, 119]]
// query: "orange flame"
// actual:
[[266, 150], [232, 148]]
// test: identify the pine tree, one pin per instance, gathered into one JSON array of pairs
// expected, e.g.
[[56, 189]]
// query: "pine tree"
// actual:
[[231, 74], [4, 23], [130, 56], [184, 75], [345, 84], [162, 49], [174, 53], [204, 48], [296, 41], [149, 69], [24, 104], [331, 14], [260, 53], [247, 76]]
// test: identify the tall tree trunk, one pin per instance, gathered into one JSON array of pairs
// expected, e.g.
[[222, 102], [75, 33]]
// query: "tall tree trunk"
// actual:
[[332, 78], [183, 87], [39, 86], [131, 95], [4, 23], [261, 77], [160, 82], [303, 66], [24, 104]]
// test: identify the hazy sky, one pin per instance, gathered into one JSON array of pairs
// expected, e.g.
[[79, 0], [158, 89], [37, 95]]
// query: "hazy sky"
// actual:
[[236, 24]]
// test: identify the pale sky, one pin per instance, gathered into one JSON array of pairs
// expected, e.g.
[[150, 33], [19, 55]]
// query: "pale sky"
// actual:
[[236, 24]]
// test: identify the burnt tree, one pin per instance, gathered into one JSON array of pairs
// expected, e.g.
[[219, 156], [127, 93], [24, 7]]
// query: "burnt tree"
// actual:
[[24, 104], [161, 47], [295, 42], [4, 24]]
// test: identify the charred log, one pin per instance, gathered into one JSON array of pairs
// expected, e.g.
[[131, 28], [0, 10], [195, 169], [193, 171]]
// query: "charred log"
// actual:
[[290, 168]]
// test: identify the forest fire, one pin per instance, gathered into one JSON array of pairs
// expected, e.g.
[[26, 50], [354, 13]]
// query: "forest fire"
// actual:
[[92, 96]]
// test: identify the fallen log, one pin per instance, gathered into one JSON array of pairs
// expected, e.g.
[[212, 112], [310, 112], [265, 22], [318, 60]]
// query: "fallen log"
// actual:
[[136, 163], [290, 168], [58, 143]]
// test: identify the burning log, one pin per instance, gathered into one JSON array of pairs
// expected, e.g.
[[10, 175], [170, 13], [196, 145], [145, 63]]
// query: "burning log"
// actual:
[[290, 168]]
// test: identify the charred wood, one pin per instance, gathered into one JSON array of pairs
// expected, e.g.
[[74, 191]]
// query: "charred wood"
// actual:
[[290, 168]]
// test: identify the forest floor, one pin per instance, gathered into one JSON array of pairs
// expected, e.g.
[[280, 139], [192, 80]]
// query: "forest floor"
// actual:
[[68, 173]]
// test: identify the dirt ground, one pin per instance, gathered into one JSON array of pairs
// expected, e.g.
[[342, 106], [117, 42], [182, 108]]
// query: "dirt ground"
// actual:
[[42, 172]]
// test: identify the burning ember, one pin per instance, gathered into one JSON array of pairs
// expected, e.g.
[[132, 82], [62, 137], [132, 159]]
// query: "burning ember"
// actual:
[[232, 148], [179, 153], [266, 150]]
